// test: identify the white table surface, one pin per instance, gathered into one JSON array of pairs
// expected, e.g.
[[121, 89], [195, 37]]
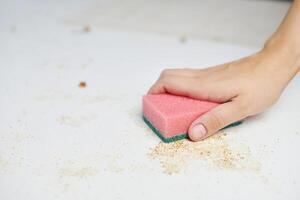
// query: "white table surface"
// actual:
[[60, 141]]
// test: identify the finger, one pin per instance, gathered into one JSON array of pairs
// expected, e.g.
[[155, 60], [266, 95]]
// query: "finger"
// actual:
[[179, 85], [180, 72], [158, 87], [216, 119], [194, 88]]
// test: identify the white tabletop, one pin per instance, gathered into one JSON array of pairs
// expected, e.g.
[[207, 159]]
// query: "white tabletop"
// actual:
[[60, 141]]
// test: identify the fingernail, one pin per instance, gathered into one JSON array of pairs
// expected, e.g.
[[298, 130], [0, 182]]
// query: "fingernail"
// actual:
[[197, 132]]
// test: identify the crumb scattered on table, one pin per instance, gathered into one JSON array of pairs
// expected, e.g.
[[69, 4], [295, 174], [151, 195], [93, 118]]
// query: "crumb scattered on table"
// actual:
[[215, 151], [82, 84], [183, 39], [83, 172], [87, 28]]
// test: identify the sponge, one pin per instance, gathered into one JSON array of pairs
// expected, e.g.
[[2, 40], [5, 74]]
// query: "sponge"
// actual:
[[169, 116]]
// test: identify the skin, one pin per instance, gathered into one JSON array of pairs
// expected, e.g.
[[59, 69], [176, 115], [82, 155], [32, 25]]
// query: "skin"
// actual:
[[245, 87]]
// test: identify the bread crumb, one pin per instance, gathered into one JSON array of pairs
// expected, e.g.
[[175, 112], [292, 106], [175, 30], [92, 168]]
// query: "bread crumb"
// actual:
[[183, 39], [82, 84], [87, 28]]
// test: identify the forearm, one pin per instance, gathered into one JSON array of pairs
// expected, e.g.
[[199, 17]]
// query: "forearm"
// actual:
[[285, 42]]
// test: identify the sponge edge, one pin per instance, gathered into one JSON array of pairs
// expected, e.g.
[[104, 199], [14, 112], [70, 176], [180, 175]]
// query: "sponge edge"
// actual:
[[170, 116], [164, 139], [179, 136]]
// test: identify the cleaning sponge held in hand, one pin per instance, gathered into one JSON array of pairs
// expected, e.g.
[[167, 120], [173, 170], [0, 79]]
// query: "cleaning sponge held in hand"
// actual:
[[170, 116]]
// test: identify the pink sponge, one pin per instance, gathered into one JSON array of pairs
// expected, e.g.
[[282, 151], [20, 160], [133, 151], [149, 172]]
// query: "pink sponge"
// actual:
[[170, 116]]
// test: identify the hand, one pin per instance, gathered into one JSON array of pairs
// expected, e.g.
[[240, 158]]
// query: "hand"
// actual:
[[244, 87]]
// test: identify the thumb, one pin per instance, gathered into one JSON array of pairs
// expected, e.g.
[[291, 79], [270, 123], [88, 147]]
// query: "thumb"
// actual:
[[216, 119]]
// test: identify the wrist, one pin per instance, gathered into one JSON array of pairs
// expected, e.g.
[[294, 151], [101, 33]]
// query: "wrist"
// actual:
[[284, 53]]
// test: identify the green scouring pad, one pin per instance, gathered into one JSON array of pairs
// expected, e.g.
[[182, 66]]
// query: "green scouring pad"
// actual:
[[179, 136]]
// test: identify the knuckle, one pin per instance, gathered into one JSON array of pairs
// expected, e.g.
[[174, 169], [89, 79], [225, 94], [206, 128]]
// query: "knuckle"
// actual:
[[167, 72]]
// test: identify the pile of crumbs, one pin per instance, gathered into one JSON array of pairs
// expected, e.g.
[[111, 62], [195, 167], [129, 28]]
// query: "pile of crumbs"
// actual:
[[83, 172], [214, 151]]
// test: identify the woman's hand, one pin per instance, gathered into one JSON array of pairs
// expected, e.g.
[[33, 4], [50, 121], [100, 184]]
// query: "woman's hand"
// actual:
[[244, 87]]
